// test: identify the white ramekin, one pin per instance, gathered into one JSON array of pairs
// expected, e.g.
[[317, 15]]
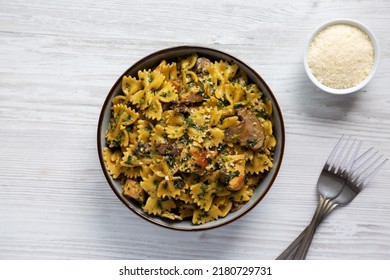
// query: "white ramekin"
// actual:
[[362, 83]]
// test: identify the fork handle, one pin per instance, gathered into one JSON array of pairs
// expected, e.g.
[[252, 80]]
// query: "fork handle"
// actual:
[[323, 206], [290, 251]]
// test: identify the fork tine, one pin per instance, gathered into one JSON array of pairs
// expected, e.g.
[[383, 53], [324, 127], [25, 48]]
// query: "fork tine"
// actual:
[[348, 160], [361, 161], [329, 161], [365, 167], [332, 156], [339, 158], [366, 176], [343, 156], [373, 173], [353, 158]]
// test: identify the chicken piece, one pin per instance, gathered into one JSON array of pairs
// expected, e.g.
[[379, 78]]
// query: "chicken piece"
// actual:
[[195, 159], [233, 171], [248, 132], [199, 158], [132, 189], [191, 96], [202, 64], [176, 84]]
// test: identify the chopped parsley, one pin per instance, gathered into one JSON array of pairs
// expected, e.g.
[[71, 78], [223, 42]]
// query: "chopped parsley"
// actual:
[[170, 159], [233, 174], [262, 113], [252, 143]]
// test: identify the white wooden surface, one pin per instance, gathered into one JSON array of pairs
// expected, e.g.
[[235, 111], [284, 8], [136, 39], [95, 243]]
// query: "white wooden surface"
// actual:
[[60, 58]]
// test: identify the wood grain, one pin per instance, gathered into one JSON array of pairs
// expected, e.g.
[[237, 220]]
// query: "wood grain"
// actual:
[[58, 62]]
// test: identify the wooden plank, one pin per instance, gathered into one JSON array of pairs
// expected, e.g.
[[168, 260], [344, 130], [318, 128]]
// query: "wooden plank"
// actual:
[[58, 62]]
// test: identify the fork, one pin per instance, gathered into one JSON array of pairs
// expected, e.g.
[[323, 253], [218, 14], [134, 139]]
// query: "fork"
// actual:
[[330, 181], [354, 178]]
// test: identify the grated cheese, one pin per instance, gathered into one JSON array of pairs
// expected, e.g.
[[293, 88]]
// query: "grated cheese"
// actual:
[[341, 56]]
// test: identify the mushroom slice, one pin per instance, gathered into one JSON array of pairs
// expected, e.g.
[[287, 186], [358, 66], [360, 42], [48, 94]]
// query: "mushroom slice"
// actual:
[[202, 64], [167, 149], [249, 132]]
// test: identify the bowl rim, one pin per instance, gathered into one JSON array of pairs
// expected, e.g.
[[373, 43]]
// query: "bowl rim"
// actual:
[[193, 48], [375, 45]]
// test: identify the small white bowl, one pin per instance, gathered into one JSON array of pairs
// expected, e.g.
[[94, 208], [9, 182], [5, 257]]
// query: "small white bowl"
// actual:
[[362, 83]]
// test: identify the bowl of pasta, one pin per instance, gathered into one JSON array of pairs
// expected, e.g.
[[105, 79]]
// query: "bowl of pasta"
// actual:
[[190, 138]]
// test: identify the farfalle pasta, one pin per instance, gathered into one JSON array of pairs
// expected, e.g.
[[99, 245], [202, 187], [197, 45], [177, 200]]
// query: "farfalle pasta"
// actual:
[[190, 139]]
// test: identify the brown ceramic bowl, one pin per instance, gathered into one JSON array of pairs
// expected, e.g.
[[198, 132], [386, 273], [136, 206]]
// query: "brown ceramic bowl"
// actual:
[[153, 60]]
